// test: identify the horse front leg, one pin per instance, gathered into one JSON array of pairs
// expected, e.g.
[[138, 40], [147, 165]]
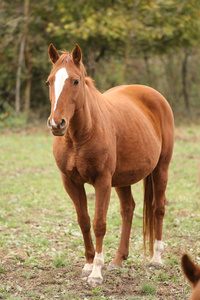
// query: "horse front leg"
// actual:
[[102, 194], [78, 196]]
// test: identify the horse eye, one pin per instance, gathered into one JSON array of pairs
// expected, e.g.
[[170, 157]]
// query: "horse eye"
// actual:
[[76, 82], [47, 83]]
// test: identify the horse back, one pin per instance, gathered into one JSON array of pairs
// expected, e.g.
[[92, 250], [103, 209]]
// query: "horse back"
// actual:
[[144, 107], [145, 98]]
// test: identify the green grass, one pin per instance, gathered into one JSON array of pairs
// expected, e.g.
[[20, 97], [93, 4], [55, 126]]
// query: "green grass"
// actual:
[[41, 246], [60, 261], [148, 288]]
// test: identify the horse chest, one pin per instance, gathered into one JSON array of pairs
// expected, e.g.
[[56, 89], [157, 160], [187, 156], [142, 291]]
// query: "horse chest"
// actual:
[[75, 165], [79, 172]]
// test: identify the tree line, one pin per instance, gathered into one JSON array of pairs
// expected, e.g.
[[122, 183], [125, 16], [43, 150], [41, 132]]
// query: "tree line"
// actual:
[[123, 41]]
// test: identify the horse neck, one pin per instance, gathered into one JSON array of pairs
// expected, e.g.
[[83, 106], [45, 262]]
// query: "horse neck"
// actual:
[[82, 123]]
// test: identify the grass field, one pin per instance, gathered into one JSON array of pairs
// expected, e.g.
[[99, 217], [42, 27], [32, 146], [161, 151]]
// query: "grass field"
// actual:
[[41, 247]]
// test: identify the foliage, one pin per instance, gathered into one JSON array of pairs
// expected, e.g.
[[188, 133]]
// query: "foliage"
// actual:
[[168, 24], [147, 25], [125, 33], [9, 120]]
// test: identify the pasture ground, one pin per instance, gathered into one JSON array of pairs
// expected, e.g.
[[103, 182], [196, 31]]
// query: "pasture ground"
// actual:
[[41, 247]]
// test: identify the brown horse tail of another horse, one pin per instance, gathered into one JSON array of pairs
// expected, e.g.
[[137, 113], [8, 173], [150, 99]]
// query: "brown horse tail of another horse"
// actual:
[[148, 214]]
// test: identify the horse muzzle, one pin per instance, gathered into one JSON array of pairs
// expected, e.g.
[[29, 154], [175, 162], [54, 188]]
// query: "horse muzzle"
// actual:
[[57, 129]]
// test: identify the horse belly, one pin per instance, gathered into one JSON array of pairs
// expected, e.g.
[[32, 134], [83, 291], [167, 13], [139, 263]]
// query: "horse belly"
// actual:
[[135, 162], [129, 177]]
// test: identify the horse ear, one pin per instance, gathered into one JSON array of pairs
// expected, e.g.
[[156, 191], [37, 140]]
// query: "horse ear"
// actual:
[[53, 54], [191, 271], [76, 54]]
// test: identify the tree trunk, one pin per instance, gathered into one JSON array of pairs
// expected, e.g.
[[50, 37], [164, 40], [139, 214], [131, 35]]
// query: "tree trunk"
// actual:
[[125, 62], [27, 60], [148, 71], [18, 77], [93, 59], [91, 63], [184, 81]]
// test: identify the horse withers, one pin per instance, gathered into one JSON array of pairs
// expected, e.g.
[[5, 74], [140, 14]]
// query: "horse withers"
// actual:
[[192, 272], [114, 139]]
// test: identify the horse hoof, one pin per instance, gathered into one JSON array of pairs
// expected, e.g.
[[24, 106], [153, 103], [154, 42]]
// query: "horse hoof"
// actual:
[[94, 281], [111, 267], [85, 274], [156, 265]]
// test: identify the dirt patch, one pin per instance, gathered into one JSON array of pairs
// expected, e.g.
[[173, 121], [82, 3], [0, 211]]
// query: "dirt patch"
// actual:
[[45, 282]]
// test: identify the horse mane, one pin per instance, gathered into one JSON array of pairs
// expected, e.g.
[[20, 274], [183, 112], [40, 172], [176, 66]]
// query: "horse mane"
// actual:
[[66, 57], [65, 52], [90, 82]]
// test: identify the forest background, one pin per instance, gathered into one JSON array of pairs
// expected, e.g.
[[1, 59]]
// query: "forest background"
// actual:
[[155, 43]]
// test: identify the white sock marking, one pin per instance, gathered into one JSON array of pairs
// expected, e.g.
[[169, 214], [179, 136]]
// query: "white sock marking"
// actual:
[[97, 265], [60, 78], [158, 249], [88, 267]]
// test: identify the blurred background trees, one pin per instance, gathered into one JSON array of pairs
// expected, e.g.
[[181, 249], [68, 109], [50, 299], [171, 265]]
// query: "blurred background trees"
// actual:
[[123, 42]]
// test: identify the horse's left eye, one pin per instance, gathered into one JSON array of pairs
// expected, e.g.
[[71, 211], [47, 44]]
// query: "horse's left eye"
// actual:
[[47, 83], [76, 82]]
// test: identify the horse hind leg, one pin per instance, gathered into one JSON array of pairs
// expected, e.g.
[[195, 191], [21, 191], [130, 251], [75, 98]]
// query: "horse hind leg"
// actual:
[[127, 205], [160, 178]]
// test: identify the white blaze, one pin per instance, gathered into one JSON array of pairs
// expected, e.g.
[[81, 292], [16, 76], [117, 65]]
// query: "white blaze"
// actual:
[[60, 78], [53, 123]]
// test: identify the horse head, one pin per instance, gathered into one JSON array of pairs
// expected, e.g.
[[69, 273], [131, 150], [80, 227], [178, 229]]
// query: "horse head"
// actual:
[[66, 88], [192, 272]]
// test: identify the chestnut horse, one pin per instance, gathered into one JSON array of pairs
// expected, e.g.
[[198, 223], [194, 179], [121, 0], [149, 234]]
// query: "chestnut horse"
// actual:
[[192, 272], [109, 140]]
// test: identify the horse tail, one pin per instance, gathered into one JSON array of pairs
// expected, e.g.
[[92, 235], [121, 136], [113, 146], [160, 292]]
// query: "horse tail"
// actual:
[[148, 214]]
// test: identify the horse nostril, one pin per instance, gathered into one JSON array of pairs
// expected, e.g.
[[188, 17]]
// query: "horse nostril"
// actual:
[[62, 124], [49, 123]]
